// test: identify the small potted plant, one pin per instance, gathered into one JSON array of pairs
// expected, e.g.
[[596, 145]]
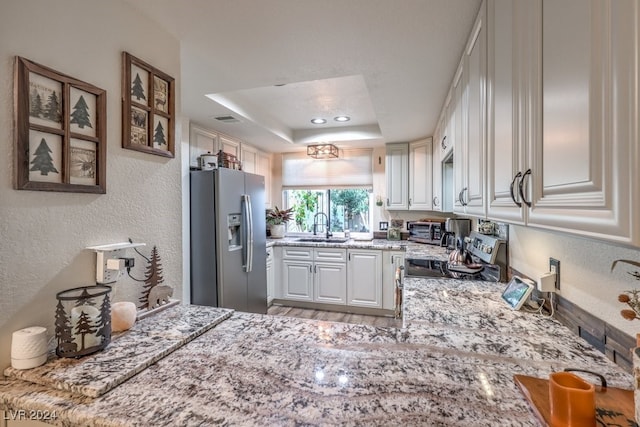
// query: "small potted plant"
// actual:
[[277, 220]]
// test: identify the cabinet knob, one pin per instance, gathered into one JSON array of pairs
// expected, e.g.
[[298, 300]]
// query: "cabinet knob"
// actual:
[[442, 144]]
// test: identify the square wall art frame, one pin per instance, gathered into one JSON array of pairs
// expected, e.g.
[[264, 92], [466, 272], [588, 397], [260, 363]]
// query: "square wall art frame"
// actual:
[[59, 131], [148, 108]]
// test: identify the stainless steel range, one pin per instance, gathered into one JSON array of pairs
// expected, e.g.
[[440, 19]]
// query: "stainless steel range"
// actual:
[[484, 258]]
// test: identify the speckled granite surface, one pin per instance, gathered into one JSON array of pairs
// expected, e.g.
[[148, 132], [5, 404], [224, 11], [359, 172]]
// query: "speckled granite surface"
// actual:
[[453, 365], [129, 352], [359, 244]]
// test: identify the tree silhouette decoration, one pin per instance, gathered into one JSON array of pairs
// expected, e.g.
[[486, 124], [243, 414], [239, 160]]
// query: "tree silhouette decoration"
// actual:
[[84, 327], [153, 277], [64, 338], [52, 109], [80, 115], [137, 89], [42, 160], [36, 104], [158, 136], [104, 320]]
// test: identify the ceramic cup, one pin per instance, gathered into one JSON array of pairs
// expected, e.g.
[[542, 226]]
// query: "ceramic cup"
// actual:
[[572, 399]]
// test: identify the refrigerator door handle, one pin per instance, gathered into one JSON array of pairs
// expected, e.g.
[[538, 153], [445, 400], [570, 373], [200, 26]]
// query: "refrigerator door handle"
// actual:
[[248, 244]]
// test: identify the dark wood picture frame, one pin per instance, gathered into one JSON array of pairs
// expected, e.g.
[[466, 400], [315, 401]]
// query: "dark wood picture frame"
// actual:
[[148, 108], [60, 132]]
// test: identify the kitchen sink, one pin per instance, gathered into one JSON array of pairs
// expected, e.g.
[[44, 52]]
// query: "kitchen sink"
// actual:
[[323, 239]]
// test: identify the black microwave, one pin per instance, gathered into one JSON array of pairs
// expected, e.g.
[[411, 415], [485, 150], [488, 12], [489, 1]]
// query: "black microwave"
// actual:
[[429, 232]]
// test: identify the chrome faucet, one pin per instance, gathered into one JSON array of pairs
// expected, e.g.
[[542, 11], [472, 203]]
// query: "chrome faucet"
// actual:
[[325, 224]]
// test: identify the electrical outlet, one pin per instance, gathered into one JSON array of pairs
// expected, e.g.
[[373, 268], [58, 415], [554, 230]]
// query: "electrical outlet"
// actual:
[[554, 267]]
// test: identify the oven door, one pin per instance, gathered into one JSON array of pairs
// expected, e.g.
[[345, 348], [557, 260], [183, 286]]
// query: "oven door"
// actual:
[[425, 268]]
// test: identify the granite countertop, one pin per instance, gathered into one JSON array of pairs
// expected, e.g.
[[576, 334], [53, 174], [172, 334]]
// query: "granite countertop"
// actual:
[[383, 244], [452, 365]]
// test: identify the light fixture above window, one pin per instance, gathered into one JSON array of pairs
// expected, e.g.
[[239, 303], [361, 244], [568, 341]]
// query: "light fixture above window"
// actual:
[[318, 121], [322, 151], [342, 118]]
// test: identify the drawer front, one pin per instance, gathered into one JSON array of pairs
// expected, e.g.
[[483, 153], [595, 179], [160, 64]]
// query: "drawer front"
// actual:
[[294, 252], [330, 254]]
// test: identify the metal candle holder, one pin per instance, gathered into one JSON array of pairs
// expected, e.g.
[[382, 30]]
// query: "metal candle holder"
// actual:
[[83, 320]]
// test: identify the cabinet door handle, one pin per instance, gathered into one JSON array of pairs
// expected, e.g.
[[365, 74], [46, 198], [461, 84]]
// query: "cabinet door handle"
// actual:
[[392, 258], [520, 187], [387, 201], [409, 201], [436, 201], [349, 257], [315, 268], [442, 144], [311, 269], [513, 197], [461, 197]]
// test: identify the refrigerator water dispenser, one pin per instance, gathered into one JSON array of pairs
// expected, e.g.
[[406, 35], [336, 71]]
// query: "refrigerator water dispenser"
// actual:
[[235, 233]]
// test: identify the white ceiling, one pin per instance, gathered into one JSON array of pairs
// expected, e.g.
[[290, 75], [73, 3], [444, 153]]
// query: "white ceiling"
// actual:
[[385, 63]]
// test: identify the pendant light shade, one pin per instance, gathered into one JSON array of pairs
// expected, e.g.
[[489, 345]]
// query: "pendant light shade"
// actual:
[[322, 151]]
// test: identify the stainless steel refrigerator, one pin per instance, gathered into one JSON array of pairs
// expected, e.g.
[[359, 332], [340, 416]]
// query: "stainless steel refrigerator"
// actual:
[[228, 240]]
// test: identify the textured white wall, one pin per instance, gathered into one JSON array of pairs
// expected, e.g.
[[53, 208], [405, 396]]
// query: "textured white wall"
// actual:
[[585, 277], [43, 235]]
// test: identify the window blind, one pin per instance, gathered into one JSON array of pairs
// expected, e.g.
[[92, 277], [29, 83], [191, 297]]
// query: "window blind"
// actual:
[[354, 168]]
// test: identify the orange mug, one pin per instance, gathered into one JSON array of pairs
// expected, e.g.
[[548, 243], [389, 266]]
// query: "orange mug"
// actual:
[[572, 399]]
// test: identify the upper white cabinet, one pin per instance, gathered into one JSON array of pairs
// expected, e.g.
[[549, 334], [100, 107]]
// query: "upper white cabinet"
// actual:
[[229, 145], [263, 168], [409, 175], [470, 160], [420, 175], [568, 106], [511, 104], [249, 158], [201, 141], [397, 174]]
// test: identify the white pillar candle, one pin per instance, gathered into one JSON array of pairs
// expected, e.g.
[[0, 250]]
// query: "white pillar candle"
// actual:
[[92, 316]]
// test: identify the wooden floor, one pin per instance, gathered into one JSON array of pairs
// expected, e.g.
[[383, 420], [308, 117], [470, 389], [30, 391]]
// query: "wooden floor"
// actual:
[[333, 316]]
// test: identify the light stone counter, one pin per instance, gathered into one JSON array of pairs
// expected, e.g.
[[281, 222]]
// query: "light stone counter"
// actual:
[[453, 365]]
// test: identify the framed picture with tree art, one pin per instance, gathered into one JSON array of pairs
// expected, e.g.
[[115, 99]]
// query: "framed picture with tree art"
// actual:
[[60, 131], [148, 116]]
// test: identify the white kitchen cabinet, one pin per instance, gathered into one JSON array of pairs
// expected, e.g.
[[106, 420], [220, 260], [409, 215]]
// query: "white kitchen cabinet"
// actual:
[[421, 175], [229, 145], [249, 158], [564, 134], [271, 280], [397, 174], [201, 141], [583, 169], [364, 278], [436, 162], [297, 280], [409, 174], [330, 283], [391, 260], [264, 168], [510, 34], [471, 197], [314, 274]]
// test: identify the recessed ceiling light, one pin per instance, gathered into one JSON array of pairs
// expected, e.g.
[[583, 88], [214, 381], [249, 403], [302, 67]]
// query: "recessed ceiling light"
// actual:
[[342, 118], [318, 121]]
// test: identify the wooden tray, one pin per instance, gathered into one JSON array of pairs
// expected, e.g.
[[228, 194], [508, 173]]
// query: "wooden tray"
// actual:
[[614, 406]]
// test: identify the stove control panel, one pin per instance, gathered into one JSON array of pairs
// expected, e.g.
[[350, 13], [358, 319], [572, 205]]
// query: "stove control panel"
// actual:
[[484, 247]]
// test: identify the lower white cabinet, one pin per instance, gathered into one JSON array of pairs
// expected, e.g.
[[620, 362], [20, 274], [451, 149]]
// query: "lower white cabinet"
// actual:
[[391, 260], [330, 283], [350, 277], [314, 275], [297, 280], [271, 279], [364, 278]]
